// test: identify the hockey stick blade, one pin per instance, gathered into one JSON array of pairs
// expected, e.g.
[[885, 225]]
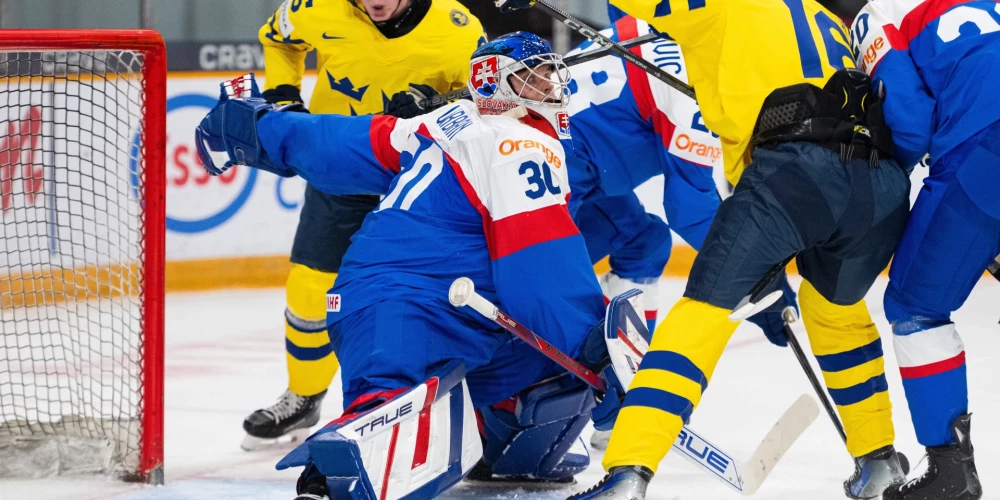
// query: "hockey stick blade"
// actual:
[[796, 419], [994, 268], [745, 478], [754, 301], [747, 307], [463, 93]]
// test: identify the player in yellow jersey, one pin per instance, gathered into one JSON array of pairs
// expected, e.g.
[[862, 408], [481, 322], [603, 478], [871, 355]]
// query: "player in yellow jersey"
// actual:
[[806, 147], [367, 52]]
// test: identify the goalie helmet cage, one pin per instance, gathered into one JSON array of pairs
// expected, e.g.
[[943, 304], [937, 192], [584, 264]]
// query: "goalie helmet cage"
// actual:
[[82, 241]]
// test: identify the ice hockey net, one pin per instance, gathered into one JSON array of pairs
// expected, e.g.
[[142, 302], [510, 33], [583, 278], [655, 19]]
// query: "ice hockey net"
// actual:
[[82, 117]]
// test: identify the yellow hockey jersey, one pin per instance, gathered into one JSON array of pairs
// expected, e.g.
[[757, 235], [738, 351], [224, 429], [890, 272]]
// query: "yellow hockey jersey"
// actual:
[[359, 69], [739, 51]]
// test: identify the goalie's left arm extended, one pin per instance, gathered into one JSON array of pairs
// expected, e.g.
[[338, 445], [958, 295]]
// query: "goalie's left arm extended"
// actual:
[[336, 154]]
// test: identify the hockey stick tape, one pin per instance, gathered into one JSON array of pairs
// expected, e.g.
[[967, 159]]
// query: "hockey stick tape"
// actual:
[[462, 292]]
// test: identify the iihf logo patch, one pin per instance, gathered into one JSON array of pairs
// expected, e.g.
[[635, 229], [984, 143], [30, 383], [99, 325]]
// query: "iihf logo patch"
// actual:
[[483, 76], [562, 120], [333, 302]]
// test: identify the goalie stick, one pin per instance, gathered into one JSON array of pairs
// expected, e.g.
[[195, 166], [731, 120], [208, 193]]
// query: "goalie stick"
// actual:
[[744, 477], [463, 93]]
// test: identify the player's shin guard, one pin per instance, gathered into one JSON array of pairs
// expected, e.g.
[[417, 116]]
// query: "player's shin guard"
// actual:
[[311, 361], [410, 444], [613, 285], [669, 384], [529, 436], [849, 351], [931, 359]]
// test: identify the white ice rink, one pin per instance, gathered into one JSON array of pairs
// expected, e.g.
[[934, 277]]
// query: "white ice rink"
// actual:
[[225, 357]]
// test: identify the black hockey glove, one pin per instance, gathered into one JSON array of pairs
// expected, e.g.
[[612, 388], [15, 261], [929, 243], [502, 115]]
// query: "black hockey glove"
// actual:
[[409, 104], [283, 94]]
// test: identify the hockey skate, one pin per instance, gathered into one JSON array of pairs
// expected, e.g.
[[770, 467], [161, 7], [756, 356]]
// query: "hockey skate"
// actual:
[[620, 483], [951, 471], [875, 473], [286, 421], [311, 485]]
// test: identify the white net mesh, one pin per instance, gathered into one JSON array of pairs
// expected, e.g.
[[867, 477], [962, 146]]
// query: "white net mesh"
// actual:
[[71, 252]]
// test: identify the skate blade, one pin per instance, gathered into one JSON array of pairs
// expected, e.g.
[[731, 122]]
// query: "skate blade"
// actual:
[[251, 443]]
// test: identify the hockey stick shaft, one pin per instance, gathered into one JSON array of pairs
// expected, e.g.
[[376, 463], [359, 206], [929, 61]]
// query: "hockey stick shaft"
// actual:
[[616, 49], [994, 268], [463, 93], [793, 342], [599, 53], [463, 293]]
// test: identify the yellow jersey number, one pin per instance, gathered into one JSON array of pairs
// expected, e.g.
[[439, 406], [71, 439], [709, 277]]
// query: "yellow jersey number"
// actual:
[[836, 50]]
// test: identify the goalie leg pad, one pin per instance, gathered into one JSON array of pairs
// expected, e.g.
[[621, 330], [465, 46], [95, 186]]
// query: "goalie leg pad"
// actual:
[[411, 444], [531, 435]]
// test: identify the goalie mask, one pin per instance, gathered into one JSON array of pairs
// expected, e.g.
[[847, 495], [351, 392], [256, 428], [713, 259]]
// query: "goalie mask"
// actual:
[[520, 69]]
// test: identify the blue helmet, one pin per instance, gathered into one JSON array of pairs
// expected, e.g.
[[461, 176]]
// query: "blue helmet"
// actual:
[[519, 69]]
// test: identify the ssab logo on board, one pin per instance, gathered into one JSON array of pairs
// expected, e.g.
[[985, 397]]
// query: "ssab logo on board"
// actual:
[[198, 202]]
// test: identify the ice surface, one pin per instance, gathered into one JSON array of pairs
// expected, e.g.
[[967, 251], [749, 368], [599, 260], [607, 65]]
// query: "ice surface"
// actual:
[[225, 357]]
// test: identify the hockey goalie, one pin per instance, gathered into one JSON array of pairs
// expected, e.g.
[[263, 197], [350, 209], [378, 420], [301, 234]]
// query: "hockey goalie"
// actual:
[[476, 189]]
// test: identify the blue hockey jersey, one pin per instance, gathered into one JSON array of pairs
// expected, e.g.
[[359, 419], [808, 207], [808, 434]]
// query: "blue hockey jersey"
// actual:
[[466, 195], [628, 126], [938, 64]]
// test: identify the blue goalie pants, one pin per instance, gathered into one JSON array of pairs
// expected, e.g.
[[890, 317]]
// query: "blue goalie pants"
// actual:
[[397, 344]]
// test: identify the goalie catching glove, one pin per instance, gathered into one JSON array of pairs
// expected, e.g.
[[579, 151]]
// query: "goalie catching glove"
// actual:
[[228, 134], [411, 103]]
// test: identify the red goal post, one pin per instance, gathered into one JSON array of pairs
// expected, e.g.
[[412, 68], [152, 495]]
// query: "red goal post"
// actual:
[[82, 190]]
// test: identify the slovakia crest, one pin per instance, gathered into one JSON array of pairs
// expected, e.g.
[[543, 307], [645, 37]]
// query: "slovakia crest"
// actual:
[[562, 120], [484, 78]]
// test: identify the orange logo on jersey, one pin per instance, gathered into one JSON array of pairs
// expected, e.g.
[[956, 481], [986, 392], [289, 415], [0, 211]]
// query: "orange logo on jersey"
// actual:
[[509, 146], [685, 143], [871, 54]]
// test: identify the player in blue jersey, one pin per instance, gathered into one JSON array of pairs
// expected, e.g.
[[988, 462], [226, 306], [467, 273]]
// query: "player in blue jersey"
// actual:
[[472, 190], [938, 64], [628, 127]]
